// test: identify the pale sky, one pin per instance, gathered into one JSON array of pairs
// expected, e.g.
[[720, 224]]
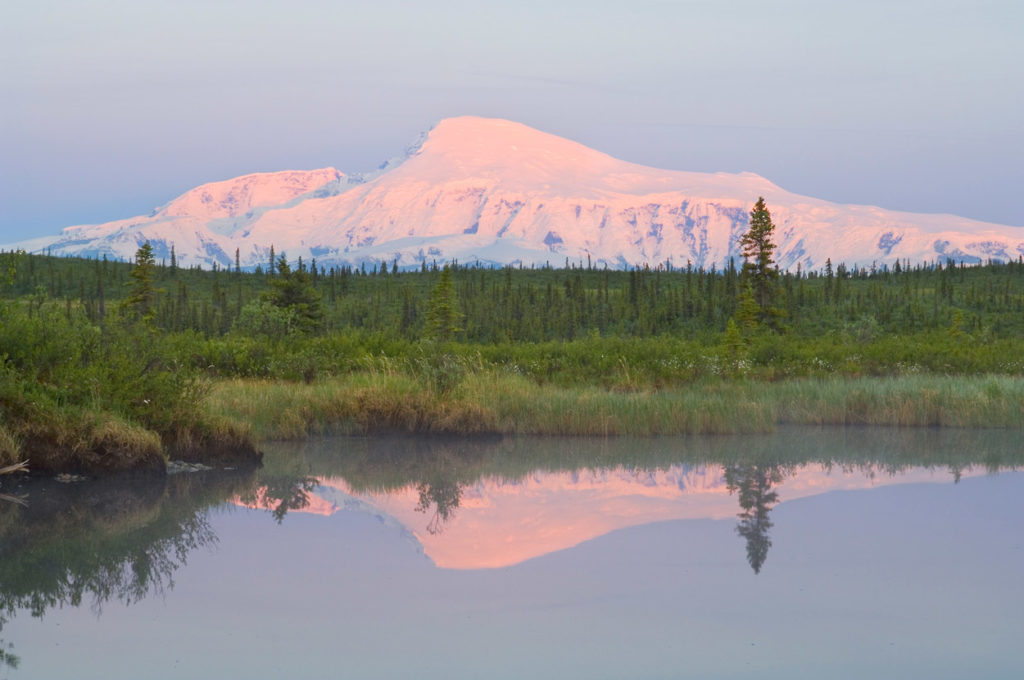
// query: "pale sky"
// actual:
[[109, 109]]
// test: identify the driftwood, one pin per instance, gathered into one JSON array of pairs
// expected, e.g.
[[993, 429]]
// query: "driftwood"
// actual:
[[20, 500], [17, 467]]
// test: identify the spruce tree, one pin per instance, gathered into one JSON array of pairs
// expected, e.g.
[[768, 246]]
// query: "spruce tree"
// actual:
[[292, 290], [758, 267], [142, 299], [443, 316], [747, 311]]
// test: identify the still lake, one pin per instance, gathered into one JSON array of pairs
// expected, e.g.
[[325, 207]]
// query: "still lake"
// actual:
[[809, 553]]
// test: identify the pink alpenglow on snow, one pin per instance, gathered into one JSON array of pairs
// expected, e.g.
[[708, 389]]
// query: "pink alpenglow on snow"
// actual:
[[499, 523], [498, 192]]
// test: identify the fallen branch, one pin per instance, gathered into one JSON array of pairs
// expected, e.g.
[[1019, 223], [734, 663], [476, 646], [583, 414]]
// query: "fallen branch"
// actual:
[[20, 500], [17, 467]]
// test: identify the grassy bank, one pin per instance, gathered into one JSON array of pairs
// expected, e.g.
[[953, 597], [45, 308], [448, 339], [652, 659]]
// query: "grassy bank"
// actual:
[[492, 402], [56, 436], [107, 366], [75, 397], [97, 442]]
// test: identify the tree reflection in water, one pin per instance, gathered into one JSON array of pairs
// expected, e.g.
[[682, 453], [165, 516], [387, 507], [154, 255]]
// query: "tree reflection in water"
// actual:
[[754, 483], [281, 494], [104, 540], [439, 470], [444, 495]]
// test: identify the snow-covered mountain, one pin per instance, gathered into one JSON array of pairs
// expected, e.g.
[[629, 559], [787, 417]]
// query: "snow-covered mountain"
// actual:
[[496, 192]]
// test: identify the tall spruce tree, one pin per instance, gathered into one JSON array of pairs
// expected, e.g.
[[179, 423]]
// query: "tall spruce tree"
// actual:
[[142, 300], [758, 267], [292, 290], [443, 316]]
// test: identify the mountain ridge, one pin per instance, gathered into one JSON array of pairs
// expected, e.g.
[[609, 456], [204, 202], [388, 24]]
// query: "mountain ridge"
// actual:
[[499, 192]]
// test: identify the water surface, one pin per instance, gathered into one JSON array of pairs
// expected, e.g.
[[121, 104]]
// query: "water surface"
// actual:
[[810, 553]]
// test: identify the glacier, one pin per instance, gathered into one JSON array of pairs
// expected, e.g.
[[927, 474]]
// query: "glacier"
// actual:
[[496, 192]]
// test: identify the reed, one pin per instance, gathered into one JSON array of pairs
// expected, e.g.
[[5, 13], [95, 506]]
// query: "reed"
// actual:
[[357, 403], [9, 447], [909, 401], [496, 402], [523, 407]]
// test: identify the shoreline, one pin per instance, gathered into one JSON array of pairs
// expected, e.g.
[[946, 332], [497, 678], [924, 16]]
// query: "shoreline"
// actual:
[[141, 362], [496, 403], [240, 414]]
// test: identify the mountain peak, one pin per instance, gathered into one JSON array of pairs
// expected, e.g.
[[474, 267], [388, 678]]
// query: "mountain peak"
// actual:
[[512, 154], [517, 157], [239, 195], [475, 134], [500, 192]]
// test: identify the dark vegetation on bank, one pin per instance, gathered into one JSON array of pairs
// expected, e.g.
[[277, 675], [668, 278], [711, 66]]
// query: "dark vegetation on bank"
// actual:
[[109, 365]]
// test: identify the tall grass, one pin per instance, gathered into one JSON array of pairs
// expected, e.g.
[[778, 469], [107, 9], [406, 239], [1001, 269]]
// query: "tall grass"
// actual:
[[362, 402], [497, 402], [89, 442], [523, 407], [910, 401], [9, 447]]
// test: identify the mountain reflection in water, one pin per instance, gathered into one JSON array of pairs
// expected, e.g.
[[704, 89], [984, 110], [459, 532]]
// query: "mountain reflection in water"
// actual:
[[471, 504], [475, 505]]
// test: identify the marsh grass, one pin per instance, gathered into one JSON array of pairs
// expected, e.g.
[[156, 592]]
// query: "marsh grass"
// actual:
[[110, 433], [910, 401], [9, 447], [358, 403], [498, 402], [91, 443], [523, 407], [74, 438]]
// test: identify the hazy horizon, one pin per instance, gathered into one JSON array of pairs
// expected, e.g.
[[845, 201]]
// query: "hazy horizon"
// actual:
[[115, 108]]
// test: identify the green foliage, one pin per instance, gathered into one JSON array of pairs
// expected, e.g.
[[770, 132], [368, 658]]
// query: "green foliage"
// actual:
[[9, 269], [68, 356], [443, 317], [496, 402], [439, 370], [74, 391], [758, 267], [538, 305], [141, 301], [748, 313], [265, 319], [864, 330], [292, 291], [735, 348]]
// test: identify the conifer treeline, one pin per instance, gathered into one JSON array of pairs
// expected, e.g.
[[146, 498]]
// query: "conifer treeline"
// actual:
[[513, 304]]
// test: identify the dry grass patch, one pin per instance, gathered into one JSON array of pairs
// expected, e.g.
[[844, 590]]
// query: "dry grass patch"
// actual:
[[10, 447]]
